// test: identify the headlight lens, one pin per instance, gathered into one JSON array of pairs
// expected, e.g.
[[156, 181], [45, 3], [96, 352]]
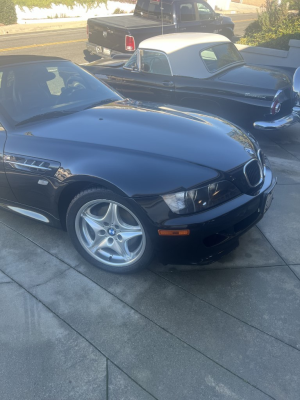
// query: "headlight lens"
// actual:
[[201, 199]]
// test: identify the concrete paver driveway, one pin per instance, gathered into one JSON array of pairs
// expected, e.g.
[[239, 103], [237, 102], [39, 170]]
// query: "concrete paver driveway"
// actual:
[[230, 330]]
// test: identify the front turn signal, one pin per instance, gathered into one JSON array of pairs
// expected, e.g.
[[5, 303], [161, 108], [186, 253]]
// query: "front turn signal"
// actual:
[[179, 232]]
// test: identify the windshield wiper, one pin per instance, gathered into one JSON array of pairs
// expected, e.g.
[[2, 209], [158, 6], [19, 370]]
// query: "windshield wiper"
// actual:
[[49, 115], [100, 103]]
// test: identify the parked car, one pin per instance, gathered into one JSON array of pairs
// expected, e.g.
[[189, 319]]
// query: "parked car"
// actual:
[[126, 180], [208, 73], [109, 36]]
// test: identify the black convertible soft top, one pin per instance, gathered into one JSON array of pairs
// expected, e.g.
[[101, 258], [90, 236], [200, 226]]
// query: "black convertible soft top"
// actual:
[[20, 59]]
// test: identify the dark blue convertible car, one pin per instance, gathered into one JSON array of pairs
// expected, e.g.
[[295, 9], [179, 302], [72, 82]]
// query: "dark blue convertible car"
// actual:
[[126, 180]]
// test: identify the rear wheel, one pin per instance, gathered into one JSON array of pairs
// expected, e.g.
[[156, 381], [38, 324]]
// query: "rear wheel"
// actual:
[[108, 231]]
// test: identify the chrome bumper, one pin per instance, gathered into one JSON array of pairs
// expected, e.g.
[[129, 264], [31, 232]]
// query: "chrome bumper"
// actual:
[[283, 122], [102, 51]]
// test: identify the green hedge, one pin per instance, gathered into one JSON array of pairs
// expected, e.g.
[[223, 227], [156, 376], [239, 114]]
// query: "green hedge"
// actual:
[[48, 3], [274, 26], [8, 13], [277, 37], [294, 5]]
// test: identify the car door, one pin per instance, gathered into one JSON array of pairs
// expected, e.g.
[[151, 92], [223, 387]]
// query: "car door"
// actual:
[[199, 94], [195, 17], [147, 76], [5, 190], [26, 179], [207, 17]]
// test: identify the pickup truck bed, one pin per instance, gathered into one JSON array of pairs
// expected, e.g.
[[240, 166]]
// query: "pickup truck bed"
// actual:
[[110, 32], [127, 21]]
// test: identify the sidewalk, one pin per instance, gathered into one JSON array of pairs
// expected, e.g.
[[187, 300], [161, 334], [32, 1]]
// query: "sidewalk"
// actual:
[[226, 331], [38, 27]]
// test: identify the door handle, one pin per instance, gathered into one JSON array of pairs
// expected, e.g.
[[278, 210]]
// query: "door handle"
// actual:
[[168, 83]]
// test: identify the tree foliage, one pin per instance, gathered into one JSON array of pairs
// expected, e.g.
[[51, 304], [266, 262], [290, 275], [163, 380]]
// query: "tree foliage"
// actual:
[[8, 12], [294, 5]]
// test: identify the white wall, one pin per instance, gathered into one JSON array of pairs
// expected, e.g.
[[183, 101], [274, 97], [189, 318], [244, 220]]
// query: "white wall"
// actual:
[[81, 13], [223, 4], [220, 4], [276, 58], [78, 12]]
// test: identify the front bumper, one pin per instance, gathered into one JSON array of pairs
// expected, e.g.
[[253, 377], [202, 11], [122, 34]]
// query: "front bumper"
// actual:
[[283, 122], [102, 51], [215, 232]]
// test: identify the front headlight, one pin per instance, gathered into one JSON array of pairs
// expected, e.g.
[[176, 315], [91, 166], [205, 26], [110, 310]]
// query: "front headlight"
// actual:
[[201, 199]]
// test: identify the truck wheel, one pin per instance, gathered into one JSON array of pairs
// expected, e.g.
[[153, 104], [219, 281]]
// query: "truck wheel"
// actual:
[[228, 33], [108, 231]]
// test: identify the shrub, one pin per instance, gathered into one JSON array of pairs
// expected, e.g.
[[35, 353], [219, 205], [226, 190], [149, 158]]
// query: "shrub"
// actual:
[[277, 37], [252, 28], [273, 28], [8, 12], [294, 5], [119, 11]]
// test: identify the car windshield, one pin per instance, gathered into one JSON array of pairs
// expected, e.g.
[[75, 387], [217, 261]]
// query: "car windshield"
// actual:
[[52, 88], [220, 56]]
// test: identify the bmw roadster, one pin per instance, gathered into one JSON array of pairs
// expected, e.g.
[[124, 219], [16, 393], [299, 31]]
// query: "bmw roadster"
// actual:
[[205, 72], [127, 181]]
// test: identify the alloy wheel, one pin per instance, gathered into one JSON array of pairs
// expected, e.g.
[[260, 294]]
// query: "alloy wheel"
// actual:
[[110, 233]]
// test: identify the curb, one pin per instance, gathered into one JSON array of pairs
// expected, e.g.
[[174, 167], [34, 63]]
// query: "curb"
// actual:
[[23, 28]]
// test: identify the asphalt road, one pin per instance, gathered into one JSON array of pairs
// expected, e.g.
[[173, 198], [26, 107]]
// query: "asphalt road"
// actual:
[[70, 43]]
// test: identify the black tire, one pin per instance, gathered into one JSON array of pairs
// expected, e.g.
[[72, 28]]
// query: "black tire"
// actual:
[[227, 32], [95, 194]]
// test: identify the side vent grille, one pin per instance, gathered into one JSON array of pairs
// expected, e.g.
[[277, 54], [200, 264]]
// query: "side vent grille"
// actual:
[[32, 165]]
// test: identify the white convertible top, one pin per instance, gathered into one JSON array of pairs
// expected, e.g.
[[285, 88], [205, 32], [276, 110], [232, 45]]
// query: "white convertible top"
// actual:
[[183, 50]]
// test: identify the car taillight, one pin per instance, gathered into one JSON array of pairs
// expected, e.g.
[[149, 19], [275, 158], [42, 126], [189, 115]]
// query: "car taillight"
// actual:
[[276, 104], [129, 43]]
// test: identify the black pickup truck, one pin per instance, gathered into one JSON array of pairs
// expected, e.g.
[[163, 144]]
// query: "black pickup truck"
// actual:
[[110, 36]]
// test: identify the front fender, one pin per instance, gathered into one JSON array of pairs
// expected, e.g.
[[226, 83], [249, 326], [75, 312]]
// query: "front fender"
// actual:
[[227, 21]]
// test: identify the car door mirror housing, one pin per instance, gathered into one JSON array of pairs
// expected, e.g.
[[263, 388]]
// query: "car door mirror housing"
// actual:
[[134, 68]]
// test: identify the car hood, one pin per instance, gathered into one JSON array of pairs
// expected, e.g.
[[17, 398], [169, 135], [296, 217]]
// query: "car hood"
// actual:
[[256, 77], [156, 130]]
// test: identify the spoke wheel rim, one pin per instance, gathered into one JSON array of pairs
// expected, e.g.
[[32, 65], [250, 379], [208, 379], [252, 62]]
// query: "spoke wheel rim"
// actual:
[[110, 233]]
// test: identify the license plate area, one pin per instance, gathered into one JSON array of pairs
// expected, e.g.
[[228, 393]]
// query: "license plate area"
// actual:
[[268, 202]]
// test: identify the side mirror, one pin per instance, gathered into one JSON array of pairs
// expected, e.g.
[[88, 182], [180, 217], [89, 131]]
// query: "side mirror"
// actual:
[[134, 68], [217, 15]]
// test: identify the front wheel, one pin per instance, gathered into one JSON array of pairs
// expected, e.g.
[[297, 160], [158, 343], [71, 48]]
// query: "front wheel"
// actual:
[[228, 33], [108, 231]]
